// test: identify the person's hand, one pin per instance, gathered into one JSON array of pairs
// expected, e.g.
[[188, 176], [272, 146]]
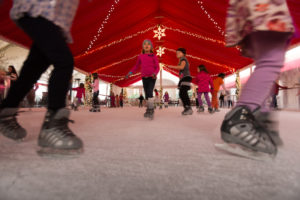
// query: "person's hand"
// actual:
[[154, 76], [128, 75]]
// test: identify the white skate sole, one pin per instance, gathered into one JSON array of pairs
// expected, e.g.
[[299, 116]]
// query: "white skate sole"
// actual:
[[237, 150]]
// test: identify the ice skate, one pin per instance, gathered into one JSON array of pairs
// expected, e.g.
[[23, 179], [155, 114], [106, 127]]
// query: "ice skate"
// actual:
[[210, 110], [244, 136], [9, 126], [187, 111], [150, 109], [55, 136], [217, 110], [268, 121], [200, 109]]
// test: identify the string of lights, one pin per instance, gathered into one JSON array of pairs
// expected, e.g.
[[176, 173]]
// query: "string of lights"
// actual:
[[194, 35], [220, 30], [115, 42], [115, 63], [100, 29], [205, 60]]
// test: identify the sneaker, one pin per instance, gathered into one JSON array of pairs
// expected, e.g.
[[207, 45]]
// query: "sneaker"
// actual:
[[56, 137], [9, 125], [240, 127]]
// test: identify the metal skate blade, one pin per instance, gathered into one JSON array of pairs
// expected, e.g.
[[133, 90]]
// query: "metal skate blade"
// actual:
[[59, 153], [238, 151]]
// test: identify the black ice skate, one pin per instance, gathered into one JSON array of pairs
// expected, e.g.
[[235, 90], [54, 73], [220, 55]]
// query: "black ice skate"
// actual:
[[55, 136], [149, 113], [268, 121], [210, 110], [9, 126], [187, 111], [95, 109], [200, 109], [246, 136]]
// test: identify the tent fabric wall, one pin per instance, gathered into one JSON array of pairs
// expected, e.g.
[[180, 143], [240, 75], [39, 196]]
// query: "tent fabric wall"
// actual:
[[132, 16]]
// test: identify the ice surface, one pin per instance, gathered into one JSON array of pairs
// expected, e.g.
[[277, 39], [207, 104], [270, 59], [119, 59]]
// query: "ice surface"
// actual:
[[128, 157]]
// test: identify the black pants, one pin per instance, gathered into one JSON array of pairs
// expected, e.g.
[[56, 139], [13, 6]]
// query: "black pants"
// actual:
[[149, 84], [230, 104], [121, 103], [95, 99], [49, 47], [184, 96]]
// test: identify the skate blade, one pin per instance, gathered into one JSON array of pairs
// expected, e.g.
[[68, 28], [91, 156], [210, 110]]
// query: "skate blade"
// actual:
[[49, 152], [245, 153]]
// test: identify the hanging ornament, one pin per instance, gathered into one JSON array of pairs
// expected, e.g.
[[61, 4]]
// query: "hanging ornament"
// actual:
[[159, 33], [160, 51]]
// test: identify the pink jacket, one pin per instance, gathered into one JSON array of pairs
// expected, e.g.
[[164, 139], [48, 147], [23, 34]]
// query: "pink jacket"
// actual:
[[80, 92], [203, 81], [148, 63]]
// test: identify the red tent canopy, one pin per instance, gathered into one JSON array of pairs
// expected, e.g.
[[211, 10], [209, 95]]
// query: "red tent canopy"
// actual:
[[192, 24]]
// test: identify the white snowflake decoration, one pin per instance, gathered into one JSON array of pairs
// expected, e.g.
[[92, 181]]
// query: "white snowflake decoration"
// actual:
[[160, 51], [159, 33]]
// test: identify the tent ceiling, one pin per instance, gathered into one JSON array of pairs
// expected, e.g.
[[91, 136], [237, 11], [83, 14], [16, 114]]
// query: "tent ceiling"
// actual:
[[132, 16]]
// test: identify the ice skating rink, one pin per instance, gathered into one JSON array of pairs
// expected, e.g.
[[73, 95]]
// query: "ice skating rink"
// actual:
[[130, 158]]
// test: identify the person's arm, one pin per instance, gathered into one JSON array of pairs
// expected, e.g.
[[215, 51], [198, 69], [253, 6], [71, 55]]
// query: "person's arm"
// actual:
[[13, 77], [135, 68], [211, 85], [178, 67]]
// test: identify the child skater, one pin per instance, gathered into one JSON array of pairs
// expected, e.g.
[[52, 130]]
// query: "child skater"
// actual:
[[80, 93], [205, 85], [149, 65], [49, 28], [217, 82], [95, 86], [184, 84], [166, 99], [264, 35]]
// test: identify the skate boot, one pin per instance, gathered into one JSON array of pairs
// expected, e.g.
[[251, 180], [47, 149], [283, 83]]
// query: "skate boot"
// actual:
[[75, 108], [200, 109], [9, 126], [146, 114], [150, 109], [240, 128], [56, 138], [187, 111], [268, 121], [210, 110], [217, 110]]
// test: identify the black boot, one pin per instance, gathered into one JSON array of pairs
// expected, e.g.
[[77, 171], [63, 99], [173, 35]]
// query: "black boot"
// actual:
[[240, 127], [268, 121], [56, 137], [9, 126], [200, 109]]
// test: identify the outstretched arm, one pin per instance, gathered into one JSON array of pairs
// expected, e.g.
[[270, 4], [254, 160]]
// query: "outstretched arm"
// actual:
[[178, 67]]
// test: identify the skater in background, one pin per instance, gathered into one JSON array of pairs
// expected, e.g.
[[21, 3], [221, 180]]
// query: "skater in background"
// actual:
[[184, 84], [166, 99], [117, 101], [50, 34], [78, 99], [112, 100], [274, 94], [13, 75], [264, 34], [95, 87], [141, 100], [121, 100], [148, 63], [197, 102], [217, 82], [229, 100], [205, 85], [156, 100], [222, 100]]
